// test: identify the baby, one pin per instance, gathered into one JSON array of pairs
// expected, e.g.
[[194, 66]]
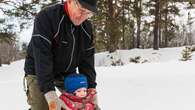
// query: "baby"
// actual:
[[76, 95]]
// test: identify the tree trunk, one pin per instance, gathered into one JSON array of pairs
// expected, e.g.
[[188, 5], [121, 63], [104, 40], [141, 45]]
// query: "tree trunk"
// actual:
[[112, 27], [156, 26], [160, 31], [138, 32], [0, 62], [138, 5], [123, 27], [166, 27]]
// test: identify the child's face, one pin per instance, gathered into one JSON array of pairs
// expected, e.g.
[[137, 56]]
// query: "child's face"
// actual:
[[81, 92]]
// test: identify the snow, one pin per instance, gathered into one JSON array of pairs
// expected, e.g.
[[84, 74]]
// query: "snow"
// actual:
[[162, 55], [25, 35], [163, 83], [154, 86], [11, 92]]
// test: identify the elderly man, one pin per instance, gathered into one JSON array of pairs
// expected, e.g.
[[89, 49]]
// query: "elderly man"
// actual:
[[61, 43]]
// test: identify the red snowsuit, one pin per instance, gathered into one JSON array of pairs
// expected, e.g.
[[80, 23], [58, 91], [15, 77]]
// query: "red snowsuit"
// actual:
[[77, 103]]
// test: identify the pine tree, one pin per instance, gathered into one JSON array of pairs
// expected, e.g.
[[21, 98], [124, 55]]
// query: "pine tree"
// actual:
[[186, 54], [164, 23], [189, 37]]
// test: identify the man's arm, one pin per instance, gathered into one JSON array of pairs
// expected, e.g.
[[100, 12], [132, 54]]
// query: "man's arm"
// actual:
[[41, 42], [86, 65], [43, 58]]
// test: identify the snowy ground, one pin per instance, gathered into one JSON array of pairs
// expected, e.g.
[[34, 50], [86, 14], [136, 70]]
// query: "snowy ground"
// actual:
[[163, 84]]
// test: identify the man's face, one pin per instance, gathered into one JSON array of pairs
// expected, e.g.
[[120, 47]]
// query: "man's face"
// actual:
[[77, 13]]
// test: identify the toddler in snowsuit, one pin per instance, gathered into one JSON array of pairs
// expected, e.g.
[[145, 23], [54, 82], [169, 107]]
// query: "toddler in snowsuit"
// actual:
[[76, 95]]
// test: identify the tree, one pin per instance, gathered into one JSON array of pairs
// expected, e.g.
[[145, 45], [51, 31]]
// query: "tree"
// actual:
[[168, 10], [7, 37], [24, 46], [164, 24], [189, 37], [0, 62], [24, 10], [186, 54], [113, 25], [6, 32], [109, 24], [138, 14], [100, 33], [156, 25], [8, 52]]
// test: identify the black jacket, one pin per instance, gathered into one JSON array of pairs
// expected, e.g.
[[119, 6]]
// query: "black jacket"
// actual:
[[58, 47]]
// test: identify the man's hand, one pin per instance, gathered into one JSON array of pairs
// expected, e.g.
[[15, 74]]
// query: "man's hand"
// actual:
[[54, 102], [92, 91]]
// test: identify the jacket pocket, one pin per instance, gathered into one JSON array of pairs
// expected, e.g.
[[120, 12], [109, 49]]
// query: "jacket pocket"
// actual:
[[61, 56], [30, 80], [35, 97]]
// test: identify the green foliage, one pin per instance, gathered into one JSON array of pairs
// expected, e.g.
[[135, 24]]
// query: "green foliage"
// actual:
[[113, 22], [193, 48], [24, 46], [135, 59], [186, 54], [119, 62], [7, 37], [118, 24], [138, 59], [24, 10], [2, 20]]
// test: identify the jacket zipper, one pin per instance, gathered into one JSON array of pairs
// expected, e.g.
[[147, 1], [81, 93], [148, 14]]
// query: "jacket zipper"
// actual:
[[72, 53]]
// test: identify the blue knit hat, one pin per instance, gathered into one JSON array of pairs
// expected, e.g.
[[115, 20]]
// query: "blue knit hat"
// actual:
[[75, 81]]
